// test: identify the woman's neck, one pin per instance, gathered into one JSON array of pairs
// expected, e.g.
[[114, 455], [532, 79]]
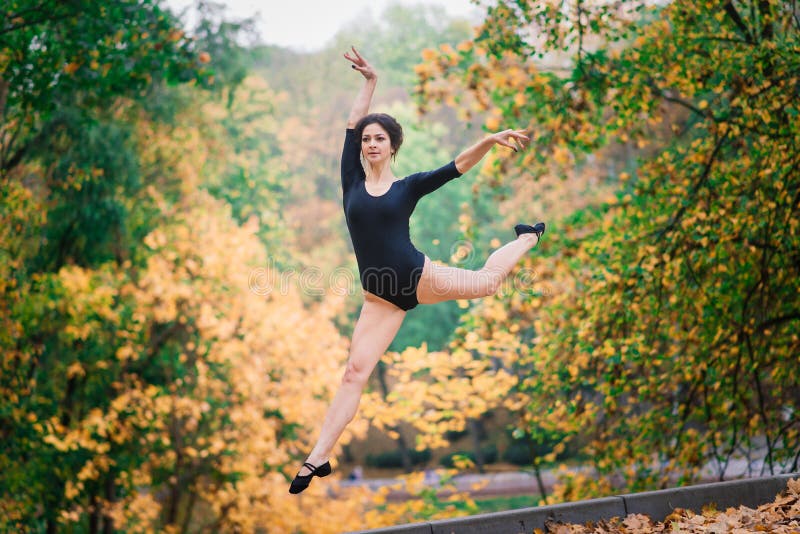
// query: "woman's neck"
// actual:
[[380, 172]]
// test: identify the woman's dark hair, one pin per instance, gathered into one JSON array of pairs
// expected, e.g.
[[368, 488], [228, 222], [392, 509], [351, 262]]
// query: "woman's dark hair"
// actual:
[[388, 123]]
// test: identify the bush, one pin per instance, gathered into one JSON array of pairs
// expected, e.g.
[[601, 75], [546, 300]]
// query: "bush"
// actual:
[[518, 453], [489, 456], [393, 459], [447, 459], [455, 435]]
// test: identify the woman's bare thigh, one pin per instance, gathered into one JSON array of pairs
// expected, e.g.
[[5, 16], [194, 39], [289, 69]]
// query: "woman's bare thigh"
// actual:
[[439, 283], [376, 327]]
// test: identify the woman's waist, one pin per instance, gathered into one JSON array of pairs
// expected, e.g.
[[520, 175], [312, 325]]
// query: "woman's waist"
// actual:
[[387, 261]]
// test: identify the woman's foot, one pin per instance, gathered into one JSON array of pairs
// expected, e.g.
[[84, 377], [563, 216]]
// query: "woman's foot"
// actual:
[[301, 482], [537, 229]]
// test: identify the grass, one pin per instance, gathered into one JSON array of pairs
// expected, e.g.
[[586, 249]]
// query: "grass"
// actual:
[[496, 504], [500, 504]]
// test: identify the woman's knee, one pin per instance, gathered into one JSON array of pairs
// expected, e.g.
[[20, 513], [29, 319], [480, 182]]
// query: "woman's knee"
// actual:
[[356, 373], [490, 282]]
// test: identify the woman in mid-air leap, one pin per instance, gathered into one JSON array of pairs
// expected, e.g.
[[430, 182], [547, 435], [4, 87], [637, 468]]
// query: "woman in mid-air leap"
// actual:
[[395, 275]]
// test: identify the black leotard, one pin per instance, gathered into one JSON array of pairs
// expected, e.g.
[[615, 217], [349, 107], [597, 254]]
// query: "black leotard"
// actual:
[[388, 263]]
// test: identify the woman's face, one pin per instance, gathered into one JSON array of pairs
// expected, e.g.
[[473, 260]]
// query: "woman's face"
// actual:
[[376, 146]]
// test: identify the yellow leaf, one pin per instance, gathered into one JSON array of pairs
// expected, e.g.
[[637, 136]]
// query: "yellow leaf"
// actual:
[[76, 369]]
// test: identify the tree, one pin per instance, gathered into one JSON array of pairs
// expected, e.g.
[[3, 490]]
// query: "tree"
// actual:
[[156, 385], [56, 55], [669, 344], [155, 375]]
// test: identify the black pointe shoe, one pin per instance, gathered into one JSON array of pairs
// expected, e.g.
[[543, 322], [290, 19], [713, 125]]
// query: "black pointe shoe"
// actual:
[[301, 482], [537, 229]]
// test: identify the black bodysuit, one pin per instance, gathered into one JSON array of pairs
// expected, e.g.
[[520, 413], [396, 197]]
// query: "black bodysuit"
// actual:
[[388, 263]]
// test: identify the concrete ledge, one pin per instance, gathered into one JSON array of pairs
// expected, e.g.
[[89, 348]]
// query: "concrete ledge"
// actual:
[[524, 520], [413, 528], [751, 492]]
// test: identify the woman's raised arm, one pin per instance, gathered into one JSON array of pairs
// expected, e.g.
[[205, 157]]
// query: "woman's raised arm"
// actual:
[[471, 156], [364, 98]]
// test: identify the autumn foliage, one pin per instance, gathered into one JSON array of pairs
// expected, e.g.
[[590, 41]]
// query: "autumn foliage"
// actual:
[[144, 387], [157, 373], [660, 333]]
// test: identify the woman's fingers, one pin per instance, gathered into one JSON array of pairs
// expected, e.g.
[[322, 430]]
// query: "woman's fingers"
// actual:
[[513, 136], [361, 65], [519, 134], [356, 57], [500, 138], [521, 140], [506, 137], [356, 60]]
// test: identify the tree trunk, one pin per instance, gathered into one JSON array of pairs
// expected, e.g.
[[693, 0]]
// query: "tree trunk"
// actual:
[[187, 516], [3, 97], [475, 433], [94, 514], [110, 495], [537, 471], [405, 456]]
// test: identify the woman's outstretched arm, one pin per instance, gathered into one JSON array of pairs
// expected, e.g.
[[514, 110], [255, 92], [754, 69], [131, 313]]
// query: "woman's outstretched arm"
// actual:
[[364, 98], [471, 156]]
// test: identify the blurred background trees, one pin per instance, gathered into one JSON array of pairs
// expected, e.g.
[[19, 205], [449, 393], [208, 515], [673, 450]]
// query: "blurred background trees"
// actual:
[[663, 324], [177, 286]]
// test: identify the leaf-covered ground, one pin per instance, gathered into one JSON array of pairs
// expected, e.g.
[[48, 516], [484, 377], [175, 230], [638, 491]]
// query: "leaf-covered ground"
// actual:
[[782, 516]]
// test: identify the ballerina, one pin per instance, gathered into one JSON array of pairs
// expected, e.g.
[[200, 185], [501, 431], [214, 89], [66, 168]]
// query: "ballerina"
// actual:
[[394, 275]]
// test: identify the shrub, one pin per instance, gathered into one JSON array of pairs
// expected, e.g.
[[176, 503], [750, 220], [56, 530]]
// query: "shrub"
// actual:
[[393, 459], [518, 453], [489, 456]]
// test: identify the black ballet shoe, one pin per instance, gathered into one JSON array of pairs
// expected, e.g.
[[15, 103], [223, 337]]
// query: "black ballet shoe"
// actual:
[[537, 229], [301, 482]]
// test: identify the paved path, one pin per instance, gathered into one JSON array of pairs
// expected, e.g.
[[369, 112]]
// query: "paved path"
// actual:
[[524, 482], [485, 485]]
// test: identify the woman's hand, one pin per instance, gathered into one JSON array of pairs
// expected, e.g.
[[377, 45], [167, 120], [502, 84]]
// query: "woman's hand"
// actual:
[[364, 98], [513, 139], [506, 137], [361, 65]]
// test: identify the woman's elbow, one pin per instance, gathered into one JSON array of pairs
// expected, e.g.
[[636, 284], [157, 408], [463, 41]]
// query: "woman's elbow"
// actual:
[[463, 165]]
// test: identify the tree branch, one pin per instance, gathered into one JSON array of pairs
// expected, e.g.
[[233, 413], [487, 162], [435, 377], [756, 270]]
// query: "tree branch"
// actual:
[[37, 140], [688, 105], [761, 406], [737, 20], [703, 178], [767, 31], [35, 22], [778, 320], [3, 97]]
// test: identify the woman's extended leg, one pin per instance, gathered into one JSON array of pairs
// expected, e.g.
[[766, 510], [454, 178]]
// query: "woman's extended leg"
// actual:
[[439, 283], [375, 329]]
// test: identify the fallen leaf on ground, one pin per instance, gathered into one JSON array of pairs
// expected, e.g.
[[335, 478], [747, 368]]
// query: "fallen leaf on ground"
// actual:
[[781, 516]]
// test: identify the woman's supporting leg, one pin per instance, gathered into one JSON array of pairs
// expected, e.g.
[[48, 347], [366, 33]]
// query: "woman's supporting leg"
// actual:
[[375, 329], [439, 283]]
